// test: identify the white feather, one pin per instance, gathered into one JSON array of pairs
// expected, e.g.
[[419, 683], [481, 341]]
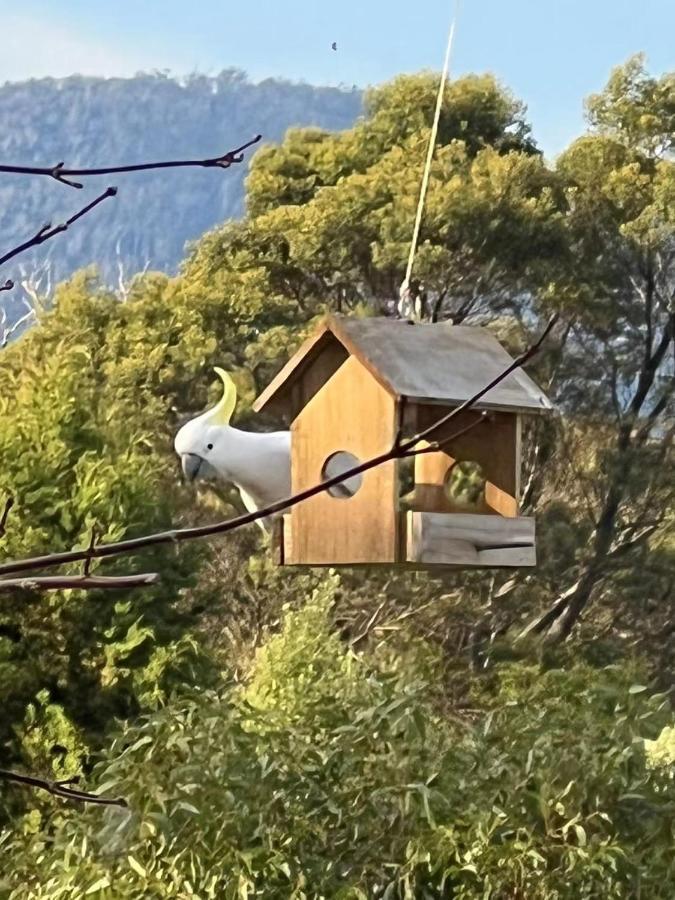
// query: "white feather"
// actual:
[[258, 464]]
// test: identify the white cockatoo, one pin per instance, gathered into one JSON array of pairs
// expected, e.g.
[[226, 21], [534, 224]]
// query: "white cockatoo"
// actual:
[[258, 464]]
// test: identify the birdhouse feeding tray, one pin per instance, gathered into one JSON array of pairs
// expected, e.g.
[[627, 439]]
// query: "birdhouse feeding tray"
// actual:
[[348, 392]]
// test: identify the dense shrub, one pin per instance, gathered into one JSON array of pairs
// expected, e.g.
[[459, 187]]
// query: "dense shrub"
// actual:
[[322, 777]]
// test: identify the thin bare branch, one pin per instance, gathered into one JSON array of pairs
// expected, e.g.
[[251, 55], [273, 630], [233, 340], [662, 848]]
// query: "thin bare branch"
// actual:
[[435, 446], [624, 546], [550, 616], [79, 582], [92, 544], [369, 627], [7, 331], [63, 175], [179, 535], [524, 357], [37, 283], [7, 286], [9, 503], [47, 231], [61, 789]]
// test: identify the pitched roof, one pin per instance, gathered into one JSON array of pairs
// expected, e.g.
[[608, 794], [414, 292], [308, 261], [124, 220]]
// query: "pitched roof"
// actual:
[[439, 363]]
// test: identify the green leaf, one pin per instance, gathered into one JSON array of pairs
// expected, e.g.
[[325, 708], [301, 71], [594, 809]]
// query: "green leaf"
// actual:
[[137, 867], [188, 807], [581, 835], [141, 742]]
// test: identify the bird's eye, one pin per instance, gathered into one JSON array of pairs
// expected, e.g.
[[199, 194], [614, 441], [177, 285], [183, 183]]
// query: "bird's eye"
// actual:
[[209, 446]]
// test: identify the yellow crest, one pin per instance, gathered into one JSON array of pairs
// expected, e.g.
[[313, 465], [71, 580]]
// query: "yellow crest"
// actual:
[[222, 413]]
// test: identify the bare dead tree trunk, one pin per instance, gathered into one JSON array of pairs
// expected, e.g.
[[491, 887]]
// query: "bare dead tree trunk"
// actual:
[[559, 620]]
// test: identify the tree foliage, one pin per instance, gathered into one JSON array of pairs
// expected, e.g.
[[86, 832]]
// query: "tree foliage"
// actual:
[[322, 776], [358, 733]]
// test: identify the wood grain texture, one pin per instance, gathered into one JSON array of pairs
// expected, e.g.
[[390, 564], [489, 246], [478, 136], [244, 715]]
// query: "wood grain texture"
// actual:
[[509, 557], [473, 540], [285, 538], [302, 376], [352, 413], [431, 471], [438, 362], [494, 445], [318, 372]]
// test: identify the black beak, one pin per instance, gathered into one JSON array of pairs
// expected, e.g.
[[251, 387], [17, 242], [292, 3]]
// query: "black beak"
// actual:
[[190, 463]]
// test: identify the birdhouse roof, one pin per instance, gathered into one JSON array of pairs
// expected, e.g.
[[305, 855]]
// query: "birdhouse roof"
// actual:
[[429, 363]]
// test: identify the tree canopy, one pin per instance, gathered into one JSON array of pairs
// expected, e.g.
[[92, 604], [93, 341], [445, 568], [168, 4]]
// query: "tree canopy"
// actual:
[[361, 734]]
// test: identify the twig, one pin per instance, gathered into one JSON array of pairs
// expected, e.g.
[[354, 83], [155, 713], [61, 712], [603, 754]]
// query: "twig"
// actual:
[[59, 173], [178, 535], [62, 789], [531, 351], [435, 446], [6, 333], [7, 286], [368, 628], [9, 503], [47, 232], [79, 582], [92, 544]]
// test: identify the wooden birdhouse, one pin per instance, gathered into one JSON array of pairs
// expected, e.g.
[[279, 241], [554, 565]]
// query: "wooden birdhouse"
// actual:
[[347, 393]]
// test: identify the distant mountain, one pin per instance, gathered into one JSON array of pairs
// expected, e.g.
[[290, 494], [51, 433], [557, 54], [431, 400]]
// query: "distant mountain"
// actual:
[[114, 121]]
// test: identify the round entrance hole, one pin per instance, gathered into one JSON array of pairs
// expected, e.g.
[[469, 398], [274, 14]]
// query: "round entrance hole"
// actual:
[[336, 464], [465, 484]]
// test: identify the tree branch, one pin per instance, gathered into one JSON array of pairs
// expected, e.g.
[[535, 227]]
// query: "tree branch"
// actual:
[[7, 286], [9, 503], [399, 450], [427, 433], [559, 620], [63, 175], [547, 619], [7, 332], [61, 789], [47, 232], [659, 407], [435, 446], [622, 547], [79, 582]]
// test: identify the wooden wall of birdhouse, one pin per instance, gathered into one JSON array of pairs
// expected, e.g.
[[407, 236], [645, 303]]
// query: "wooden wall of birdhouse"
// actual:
[[494, 445], [439, 529], [351, 413]]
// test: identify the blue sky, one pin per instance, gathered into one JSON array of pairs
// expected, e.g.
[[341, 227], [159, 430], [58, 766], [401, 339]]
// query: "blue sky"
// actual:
[[551, 53]]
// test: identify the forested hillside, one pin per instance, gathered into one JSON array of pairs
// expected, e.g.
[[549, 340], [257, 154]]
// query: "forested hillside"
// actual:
[[357, 734], [115, 121]]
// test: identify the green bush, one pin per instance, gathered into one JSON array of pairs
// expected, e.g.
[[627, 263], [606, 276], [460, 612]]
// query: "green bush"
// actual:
[[321, 777]]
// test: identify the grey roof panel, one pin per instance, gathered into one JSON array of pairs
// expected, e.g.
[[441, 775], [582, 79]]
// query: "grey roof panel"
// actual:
[[441, 362]]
